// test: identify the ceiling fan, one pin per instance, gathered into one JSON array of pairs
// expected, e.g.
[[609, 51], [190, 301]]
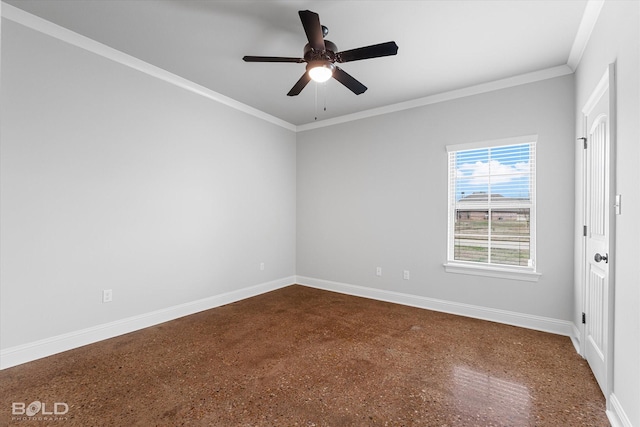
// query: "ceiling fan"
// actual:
[[321, 56]]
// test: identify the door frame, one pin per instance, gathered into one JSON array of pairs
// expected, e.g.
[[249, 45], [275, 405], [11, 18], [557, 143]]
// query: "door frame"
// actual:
[[607, 81]]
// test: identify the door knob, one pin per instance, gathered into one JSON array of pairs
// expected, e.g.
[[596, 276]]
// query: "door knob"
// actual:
[[599, 258]]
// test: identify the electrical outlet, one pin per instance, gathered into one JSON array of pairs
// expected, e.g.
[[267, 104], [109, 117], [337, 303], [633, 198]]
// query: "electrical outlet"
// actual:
[[406, 275], [378, 271], [107, 295], [262, 266]]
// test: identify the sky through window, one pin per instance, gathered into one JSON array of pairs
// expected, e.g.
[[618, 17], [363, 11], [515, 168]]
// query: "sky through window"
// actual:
[[503, 171]]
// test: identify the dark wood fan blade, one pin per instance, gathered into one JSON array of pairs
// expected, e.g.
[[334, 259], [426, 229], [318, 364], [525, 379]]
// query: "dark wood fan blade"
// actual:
[[271, 59], [300, 84], [373, 51], [312, 28], [352, 84]]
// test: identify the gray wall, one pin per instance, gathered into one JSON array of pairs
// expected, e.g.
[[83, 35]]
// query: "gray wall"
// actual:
[[373, 193], [616, 38], [112, 179]]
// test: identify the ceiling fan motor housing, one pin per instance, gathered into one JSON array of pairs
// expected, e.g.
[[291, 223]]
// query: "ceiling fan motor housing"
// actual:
[[328, 54]]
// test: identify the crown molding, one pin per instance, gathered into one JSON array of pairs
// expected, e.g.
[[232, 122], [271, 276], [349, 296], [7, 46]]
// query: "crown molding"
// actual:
[[589, 18], [43, 26], [532, 77], [36, 23]]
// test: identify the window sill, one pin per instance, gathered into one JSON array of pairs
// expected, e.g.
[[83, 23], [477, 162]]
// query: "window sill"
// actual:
[[493, 271]]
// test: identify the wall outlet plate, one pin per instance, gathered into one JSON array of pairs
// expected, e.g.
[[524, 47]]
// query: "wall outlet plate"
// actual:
[[107, 295]]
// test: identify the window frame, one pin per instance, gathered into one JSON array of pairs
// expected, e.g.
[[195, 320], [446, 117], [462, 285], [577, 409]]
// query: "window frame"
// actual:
[[515, 272]]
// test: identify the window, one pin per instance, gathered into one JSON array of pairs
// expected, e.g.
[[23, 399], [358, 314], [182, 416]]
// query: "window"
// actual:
[[492, 207]]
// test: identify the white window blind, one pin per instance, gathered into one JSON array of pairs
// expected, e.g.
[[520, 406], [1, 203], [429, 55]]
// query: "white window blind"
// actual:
[[492, 203]]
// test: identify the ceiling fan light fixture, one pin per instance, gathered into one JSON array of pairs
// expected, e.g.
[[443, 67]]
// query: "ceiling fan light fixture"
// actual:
[[321, 55], [320, 71]]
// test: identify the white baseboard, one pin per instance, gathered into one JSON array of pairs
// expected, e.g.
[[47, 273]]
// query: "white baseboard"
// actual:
[[576, 338], [617, 416], [49, 346], [545, 324]]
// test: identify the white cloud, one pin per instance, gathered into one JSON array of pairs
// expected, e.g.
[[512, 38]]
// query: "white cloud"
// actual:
[[478, 173]]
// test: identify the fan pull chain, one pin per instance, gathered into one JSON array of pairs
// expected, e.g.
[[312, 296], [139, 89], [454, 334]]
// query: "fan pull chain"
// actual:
[[325, 95], [316, 102]]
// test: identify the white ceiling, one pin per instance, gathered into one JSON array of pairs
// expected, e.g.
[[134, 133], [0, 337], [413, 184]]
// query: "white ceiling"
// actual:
[[443, 45]]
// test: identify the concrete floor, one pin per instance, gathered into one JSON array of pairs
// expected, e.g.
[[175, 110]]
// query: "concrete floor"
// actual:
[[305, 357]]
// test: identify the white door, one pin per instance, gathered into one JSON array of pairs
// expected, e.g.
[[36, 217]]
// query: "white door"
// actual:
[[598, 289]]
